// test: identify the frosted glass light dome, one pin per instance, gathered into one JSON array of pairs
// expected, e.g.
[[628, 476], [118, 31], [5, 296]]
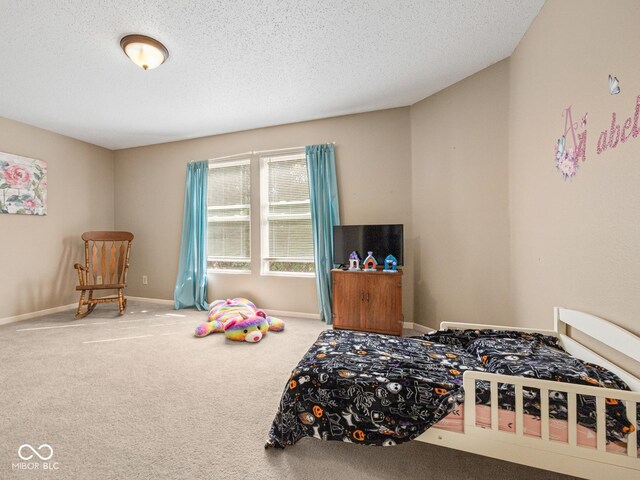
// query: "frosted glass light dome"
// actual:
[[144, 51]]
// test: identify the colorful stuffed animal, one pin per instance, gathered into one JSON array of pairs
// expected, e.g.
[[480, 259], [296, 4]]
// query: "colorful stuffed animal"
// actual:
[[245, 329], [239, 319]]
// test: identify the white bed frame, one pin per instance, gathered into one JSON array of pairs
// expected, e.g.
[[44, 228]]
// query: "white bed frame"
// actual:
[[541, 452]]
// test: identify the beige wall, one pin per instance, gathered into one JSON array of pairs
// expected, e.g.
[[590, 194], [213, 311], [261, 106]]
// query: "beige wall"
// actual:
[[499, 235], [373, 161], [460, 201], [493, 233], [574, 243], [37, 253]]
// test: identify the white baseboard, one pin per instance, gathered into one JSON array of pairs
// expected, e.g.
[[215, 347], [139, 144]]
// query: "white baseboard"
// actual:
[[160, 301], [422, 328], [416, 326], [39, 313], [62, 308], [275, 313], [48, 311], [285, 313]]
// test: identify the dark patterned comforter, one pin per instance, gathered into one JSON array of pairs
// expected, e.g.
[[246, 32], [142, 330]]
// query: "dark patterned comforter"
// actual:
[[539, 356], [381, 390]]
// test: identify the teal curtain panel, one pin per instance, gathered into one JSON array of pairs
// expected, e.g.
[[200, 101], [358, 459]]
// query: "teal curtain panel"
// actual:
[[191, 284], [325, 213]]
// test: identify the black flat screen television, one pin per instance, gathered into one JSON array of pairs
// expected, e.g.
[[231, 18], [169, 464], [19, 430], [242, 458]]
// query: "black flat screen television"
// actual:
[[382, 240]]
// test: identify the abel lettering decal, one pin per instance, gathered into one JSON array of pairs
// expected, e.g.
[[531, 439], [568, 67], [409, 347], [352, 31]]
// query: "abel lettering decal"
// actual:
[[616, 134], [571, 147]]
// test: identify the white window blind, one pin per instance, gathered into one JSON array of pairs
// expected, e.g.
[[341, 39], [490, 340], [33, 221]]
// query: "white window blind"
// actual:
[[287, 244], [229, 206]]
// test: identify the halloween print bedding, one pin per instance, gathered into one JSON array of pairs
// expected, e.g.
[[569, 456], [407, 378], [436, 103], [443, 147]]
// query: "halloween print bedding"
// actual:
[[375, 389], [534, 355]]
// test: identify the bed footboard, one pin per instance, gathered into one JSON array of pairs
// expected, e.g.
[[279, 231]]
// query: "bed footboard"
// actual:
[[541, 451], [602, 396]]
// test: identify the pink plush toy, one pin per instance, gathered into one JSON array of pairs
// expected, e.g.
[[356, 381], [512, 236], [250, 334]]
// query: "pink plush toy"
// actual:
[[240, 320]]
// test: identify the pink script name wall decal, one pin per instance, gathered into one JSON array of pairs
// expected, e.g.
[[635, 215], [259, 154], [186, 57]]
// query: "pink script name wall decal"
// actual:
[[572, 146], [616, 133]]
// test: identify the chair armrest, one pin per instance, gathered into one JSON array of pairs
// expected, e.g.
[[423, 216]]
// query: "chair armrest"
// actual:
[[80, 269]]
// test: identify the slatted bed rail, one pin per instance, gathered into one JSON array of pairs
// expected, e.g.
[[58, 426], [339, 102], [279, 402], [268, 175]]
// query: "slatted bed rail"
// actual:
[[568, 457], [544, 442]]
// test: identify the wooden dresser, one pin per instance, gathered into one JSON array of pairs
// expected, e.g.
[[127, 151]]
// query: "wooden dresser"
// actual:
[[367, 301]]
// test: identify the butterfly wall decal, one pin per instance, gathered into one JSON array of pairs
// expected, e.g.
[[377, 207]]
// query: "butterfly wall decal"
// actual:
[[560, 148], [614, 85]]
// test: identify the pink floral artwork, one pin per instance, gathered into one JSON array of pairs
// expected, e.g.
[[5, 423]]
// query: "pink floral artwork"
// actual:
[[567, 163], [23, 185]]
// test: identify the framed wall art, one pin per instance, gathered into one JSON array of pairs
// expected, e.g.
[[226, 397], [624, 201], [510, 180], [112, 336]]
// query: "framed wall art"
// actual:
[[23, 185]]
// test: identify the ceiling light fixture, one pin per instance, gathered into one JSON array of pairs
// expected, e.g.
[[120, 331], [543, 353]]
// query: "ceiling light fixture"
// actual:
[[146, 52]]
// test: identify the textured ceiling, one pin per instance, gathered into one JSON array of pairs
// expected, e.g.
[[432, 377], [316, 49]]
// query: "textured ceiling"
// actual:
[[237, 65]]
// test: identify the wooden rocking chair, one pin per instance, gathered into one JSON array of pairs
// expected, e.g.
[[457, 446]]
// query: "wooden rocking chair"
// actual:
[[106, 262]]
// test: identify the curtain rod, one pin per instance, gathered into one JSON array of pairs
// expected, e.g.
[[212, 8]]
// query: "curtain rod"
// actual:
[[286, 149], [258, 152]]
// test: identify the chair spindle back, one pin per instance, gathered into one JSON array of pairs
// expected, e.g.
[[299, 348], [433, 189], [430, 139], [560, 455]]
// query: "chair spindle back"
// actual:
[[107, 257]]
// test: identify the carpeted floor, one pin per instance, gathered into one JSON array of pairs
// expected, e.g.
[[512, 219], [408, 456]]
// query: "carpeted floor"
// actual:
[[138, 397]]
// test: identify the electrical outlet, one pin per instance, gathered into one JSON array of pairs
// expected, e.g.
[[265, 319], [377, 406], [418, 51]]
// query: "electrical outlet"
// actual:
[[99, 279], [144, 280]]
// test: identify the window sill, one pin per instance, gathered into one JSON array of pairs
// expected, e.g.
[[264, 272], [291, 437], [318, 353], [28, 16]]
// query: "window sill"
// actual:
[[229, 272], [288, 274]]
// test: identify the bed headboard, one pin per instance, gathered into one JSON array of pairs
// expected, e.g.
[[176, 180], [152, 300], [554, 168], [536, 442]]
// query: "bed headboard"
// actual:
[[604, 332]]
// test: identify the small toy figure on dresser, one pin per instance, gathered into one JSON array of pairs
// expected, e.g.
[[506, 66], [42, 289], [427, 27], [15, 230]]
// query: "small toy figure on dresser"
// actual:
[[370, 263], [354, 261], [390, 264]]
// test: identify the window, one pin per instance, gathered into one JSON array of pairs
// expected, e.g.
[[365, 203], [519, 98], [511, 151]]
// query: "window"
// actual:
[[229, 205], [287, 244], [285, 214]]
